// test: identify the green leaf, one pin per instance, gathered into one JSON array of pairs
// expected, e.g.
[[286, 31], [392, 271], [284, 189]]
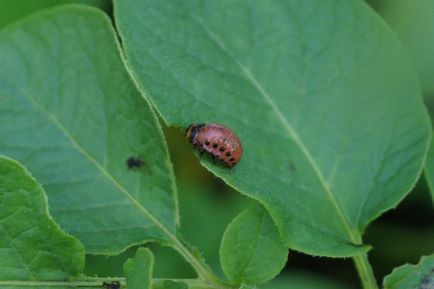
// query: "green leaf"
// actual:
[[420, 276], [32, 246], [251, 250], [138, 270], [71, 114], [328, 143]]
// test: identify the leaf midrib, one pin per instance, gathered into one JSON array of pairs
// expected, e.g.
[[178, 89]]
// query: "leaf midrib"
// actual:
[[51, 117], [292, 133], [173, 240]]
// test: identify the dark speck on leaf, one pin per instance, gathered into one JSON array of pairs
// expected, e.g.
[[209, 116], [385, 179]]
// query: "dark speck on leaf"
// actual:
[[134, 163], [112, 285]]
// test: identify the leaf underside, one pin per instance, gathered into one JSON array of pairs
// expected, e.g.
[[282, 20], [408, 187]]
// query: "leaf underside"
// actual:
[[328, 143], [32, 246], [71, 114]]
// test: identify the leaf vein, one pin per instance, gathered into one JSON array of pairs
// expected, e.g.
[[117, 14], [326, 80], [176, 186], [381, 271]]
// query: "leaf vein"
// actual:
[[292, 133]]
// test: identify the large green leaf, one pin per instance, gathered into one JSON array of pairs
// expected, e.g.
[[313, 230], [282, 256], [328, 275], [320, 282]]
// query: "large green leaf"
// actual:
[[320, 92], [419, 276], [32, 246], [71, 114], [138, 270], [251, 250]]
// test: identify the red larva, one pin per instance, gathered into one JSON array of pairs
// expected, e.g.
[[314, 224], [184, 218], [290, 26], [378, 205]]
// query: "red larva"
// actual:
[[217, 140]]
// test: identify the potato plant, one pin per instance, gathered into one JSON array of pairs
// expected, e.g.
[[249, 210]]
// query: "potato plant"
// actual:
[[322, 94]]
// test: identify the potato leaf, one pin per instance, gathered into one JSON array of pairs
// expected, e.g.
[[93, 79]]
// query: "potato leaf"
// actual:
[[32, 246], [72, 115], [320, 93], [251, 250], [138, 270], [419, 276]]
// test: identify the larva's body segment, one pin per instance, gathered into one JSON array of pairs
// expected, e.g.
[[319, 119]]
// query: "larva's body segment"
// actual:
[[217, 140]]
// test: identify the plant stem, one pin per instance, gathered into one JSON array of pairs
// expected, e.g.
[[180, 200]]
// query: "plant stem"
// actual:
[[98, 282], [203, 271], [365, 271]]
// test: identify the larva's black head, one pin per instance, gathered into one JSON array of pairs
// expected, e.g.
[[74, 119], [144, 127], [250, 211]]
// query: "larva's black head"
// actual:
[[192, 130]]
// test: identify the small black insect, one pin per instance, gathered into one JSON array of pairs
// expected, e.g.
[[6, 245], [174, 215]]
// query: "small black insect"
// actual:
[[134, 163], [112, 285]]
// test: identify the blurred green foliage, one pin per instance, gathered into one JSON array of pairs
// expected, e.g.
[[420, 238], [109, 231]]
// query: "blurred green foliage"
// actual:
[[413, 21], [304, 280], [11, 10]]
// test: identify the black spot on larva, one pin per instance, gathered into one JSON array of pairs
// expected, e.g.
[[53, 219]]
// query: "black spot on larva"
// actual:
[[134, 163], [222, 149], [207, 143], [228, 154], [112, 285], [232, 159], [215, 145], [292, 167]]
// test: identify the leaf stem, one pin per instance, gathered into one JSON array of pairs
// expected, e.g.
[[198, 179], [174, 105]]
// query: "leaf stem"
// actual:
[[89, 282], [203, 271], [365, 271]]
